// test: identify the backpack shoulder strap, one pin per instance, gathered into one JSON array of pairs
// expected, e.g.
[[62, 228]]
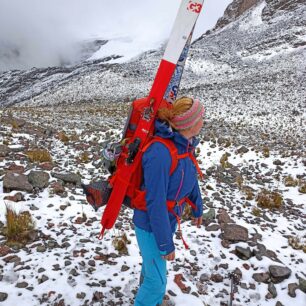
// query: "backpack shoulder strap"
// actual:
[[170, 146]]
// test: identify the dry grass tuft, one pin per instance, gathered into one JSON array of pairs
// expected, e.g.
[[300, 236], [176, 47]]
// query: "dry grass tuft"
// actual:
[[269, 199], [297, 243], [256, 212], [120, 244], [84, 157], [239, 181], [249, 192], [266, 152], [39, 155], [224, 161], [14, 124], [289, 181], [18, 226], [302, 188], [63, 137]]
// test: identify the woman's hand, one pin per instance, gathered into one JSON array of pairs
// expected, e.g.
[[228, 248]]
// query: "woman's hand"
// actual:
[[170, 256], [197, 221]]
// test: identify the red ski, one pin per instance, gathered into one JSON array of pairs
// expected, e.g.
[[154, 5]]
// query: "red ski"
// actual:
[[183, 26]]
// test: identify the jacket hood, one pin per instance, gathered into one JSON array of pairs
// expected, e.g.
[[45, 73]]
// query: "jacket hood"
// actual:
[[164, 130]]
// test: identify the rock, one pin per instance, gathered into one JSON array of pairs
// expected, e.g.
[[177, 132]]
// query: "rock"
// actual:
[[302, 284], [178, 279], [16, 181], [67, 177], [234, 232], [97, 296], [124, 268], [4, 250], [279, 273], [56, 267], [272, 290], [210, 214], [292, 288], [3, 296], [204, 277], [15, 168], [81, 295], [17, 197], [43, 279], [242, 150], [12, 258], [212, 228], [223, 217], [277, 162], [243, 253], [74, 272], [57, 188], [4, 150], [41, 249], [22, 285], [39, 179], [171, 293], [217, 278], [261, 277], [47, 166]]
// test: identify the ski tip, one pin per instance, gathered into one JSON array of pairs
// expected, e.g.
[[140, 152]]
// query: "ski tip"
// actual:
[[100, 237]]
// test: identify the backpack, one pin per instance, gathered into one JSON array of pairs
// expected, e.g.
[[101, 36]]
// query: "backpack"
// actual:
[[98, 193]]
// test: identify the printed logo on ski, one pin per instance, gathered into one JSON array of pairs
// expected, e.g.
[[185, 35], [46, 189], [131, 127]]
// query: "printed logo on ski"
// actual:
[[194, 7]]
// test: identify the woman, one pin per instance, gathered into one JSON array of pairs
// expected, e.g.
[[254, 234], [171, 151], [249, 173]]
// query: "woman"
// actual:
[[155, 227]]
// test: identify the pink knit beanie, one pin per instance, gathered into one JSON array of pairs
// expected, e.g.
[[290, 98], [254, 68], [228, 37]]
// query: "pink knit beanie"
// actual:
[[190, 118]]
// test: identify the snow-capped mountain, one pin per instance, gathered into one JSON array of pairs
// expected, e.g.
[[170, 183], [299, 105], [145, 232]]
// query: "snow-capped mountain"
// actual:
[[250, 73], [262, 42]]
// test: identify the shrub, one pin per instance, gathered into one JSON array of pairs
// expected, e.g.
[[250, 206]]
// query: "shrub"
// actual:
[[18, 226], [269, 199], [39, 155]]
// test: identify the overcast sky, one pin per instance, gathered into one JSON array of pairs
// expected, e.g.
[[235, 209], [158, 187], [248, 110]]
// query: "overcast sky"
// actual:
[[45, 32]]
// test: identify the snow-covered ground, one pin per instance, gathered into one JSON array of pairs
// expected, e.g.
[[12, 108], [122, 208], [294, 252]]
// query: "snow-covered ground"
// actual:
[[68, 265]]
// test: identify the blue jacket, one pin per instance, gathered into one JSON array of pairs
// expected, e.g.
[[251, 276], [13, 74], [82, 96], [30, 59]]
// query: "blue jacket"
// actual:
[[160, 186]]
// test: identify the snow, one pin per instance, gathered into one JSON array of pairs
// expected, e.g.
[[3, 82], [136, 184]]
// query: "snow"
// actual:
[[254, 20]]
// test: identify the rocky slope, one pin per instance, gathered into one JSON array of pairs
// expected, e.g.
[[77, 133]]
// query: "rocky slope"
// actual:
[[254, 219]]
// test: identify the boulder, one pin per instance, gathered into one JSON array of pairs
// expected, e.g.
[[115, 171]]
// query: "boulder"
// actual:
[[234, 232], [67, 177], [16, 181], [39, 179], [262, 277], [279, 273], [243, 253]]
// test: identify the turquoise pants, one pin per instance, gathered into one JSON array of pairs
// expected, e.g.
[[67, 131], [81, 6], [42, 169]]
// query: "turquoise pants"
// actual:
[[154, 271]]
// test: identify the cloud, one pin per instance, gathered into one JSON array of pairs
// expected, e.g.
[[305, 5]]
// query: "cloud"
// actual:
[[41, 33]]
